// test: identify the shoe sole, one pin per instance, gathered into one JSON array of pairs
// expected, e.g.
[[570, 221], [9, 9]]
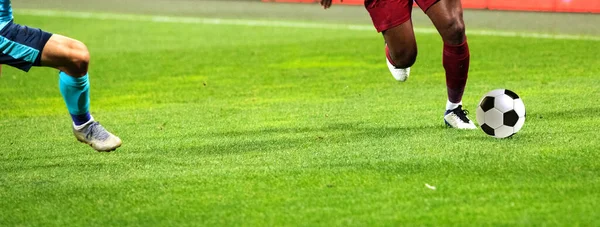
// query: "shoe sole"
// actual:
[[450, 126], [447, 124], [111, 150]]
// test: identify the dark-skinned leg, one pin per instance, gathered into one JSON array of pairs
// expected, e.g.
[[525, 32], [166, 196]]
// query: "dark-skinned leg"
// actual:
[[401, 45], [447, 16], [401, 49]]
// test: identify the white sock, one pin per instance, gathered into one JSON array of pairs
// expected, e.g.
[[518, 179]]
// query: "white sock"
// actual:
[[79, 127], [451, 105]]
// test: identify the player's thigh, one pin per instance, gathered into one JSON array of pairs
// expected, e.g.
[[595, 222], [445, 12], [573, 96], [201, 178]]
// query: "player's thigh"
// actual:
[[447, 17], [65, 54], [387, 14]]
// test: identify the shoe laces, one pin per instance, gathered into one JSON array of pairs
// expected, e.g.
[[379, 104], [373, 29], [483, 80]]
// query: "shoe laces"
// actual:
[[95, 130], [461, 114]]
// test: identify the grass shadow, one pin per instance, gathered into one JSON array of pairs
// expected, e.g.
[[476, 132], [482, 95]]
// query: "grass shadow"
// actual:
[[566, 114], [284, 138]]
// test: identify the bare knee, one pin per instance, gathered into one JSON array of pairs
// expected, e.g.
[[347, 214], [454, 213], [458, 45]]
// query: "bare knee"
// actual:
[[79, 57], [453, 32], [403, 58], [66, 54]]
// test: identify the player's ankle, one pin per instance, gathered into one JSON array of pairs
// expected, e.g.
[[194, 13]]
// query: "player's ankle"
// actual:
[[452, 105]]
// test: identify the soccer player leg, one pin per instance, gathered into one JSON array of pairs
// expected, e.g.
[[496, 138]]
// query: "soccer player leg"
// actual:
[[392, 19], [447, 16], [400, 50], [72, 58]]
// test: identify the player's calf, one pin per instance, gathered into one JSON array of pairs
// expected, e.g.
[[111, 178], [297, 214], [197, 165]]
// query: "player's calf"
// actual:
[[400, 48]]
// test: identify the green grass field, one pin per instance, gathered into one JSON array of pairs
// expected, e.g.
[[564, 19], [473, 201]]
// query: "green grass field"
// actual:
[[268, 126]]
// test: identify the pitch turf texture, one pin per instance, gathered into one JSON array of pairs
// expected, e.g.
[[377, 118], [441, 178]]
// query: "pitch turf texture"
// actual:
[[243, 125]]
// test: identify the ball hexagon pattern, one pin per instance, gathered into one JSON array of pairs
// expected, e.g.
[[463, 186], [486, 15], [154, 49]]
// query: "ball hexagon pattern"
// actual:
[[487, 103], [519, 107], [488, 130], [510, 118], [501, 113], [493, 118], [503, 131], [519, 124], [503, 103]]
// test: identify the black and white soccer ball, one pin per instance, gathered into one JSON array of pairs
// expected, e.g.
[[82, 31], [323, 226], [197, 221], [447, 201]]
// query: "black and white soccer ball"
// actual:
[[501, 113]]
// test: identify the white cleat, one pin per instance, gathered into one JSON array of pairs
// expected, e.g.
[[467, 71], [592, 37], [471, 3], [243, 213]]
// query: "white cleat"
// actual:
[[398, 73], [97, 137], [457, 118]]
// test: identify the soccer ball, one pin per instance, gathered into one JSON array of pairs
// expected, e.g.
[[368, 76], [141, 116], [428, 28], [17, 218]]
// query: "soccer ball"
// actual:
[[501, 113]]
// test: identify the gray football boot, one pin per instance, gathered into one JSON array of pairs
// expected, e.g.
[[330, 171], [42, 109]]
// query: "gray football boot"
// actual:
[[97, 137]]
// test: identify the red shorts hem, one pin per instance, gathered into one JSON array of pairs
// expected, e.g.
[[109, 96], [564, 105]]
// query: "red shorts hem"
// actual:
[[387, 14], [388, 25], [427, 4]]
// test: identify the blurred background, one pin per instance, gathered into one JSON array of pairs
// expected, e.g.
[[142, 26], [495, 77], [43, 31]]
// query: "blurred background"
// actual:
[[547, 16]]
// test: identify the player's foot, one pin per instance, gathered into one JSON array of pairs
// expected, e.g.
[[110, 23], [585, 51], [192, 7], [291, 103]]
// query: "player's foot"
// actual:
[[399, 74], [97, 137], [457, 118]]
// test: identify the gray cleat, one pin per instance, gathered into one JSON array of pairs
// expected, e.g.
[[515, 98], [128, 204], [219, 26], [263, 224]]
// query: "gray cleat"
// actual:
[[97, 137]]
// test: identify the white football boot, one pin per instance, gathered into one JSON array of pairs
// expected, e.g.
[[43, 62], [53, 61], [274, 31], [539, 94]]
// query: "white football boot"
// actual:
[[457, 118], [97, 137], [399, 74]]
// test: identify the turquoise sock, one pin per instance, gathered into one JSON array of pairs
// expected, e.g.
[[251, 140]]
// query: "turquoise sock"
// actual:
[[76, 93]]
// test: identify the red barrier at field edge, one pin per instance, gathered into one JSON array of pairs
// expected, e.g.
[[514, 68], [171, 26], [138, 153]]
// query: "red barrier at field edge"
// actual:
[[578, 6]]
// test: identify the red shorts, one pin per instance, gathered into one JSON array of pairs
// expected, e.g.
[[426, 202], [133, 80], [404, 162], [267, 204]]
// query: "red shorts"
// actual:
[[387, 14]]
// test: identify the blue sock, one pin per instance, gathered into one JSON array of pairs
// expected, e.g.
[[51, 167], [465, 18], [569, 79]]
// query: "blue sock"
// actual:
[[76, 93]]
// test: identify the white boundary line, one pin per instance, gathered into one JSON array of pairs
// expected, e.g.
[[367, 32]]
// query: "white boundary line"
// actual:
[[284, 24]]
